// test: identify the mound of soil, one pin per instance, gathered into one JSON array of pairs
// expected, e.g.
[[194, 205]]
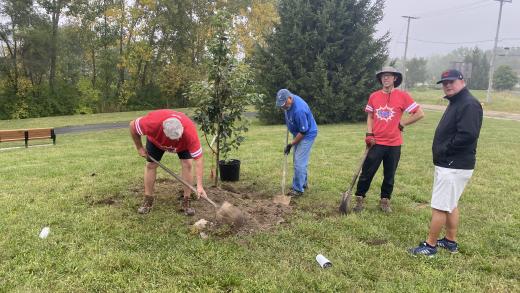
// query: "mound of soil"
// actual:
[[259, 210]]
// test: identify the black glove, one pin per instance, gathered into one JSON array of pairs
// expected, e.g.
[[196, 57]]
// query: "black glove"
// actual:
[[401, 126], [287, 149]]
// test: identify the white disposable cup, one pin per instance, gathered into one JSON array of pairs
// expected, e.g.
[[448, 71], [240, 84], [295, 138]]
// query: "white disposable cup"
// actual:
[[323, 261], [45, 232]]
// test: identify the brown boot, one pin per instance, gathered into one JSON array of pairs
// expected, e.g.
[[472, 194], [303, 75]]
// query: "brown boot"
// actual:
[[385, 205], [188, 211], [147, 204], [360, 204]]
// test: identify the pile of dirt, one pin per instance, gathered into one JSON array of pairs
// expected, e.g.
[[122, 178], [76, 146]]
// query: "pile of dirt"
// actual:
[[259, 210]]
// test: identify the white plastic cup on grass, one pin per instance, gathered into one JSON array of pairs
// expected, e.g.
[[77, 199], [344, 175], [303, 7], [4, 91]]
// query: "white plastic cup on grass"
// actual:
[[323, 261], [45, 232]]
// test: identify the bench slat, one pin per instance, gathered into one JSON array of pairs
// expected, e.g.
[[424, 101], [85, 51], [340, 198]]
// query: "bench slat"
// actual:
[[27, 134]]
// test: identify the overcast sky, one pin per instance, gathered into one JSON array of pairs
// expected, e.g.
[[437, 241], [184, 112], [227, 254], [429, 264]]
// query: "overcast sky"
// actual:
[[444, 25]]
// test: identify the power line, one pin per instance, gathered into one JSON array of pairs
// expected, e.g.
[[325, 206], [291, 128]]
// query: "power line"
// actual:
[[454, 9], [461, 43]]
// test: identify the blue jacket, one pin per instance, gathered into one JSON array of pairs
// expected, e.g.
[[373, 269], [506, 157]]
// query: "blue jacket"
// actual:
[[299, 119], [455, 141]]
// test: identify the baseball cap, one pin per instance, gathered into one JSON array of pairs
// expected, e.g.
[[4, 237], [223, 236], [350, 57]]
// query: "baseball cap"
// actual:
[[172, 128], [282, 96], [451, 74]]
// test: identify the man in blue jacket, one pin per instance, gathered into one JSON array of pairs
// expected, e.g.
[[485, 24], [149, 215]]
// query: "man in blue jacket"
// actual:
[[454, 148], [301, 124]]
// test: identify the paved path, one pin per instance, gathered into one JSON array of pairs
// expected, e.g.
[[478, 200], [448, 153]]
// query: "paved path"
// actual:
[[488, 114], [124, 124]]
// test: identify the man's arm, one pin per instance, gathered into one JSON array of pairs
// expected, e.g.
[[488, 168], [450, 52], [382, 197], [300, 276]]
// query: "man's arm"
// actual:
[[413, 117], [199, 173], [370, 122], [137, 140]]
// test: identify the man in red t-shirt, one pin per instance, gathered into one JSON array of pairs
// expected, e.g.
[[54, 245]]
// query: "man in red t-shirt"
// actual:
[[384, 138], [168, 130]]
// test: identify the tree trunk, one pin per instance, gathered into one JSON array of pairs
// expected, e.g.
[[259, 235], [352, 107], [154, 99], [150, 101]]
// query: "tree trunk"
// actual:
[[55, 16]]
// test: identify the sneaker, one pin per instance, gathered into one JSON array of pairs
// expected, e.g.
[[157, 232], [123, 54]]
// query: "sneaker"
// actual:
[[295, 193], [451, 246], [188, 211], [360, 204], [385, 205], [146, 206], [423, 249]]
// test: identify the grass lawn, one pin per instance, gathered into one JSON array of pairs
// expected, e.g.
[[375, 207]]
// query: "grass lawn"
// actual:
[[110, 248], [505, 101]]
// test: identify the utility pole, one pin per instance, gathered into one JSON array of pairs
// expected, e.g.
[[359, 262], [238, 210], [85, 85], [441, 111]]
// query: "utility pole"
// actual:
[[406, 49], [492, 63]]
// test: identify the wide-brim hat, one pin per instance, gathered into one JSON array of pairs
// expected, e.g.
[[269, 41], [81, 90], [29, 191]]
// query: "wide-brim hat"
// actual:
[[395, 72]]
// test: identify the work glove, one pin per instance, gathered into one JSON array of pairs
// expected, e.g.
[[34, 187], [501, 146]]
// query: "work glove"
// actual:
[[370, 140], [287, 149]]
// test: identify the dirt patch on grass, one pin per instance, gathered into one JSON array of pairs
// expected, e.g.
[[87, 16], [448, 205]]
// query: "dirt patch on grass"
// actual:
[[259, 211]]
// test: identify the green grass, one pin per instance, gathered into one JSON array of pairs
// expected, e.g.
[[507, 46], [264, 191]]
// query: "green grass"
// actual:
[[505, 101], [101, 248]]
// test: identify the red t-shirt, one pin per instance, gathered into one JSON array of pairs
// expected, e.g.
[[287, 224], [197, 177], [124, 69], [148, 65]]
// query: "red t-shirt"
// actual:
[[386, 110], [151, 126]]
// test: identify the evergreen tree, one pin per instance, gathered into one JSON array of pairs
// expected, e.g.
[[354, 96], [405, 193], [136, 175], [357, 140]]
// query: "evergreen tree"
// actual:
[[504, 78], [325, 51], [416, 72], [479, 70]]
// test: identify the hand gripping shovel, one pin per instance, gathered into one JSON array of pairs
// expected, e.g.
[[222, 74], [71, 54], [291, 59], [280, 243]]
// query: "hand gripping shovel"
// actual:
[[347, 195], [228, 213], [284, 199]]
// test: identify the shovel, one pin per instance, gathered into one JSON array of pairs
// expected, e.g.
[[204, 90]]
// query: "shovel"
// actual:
[[227, 212], [284, 199], [346, 196]]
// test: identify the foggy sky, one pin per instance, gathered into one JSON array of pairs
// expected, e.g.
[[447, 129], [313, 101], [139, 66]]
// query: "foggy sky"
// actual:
[[448, 21]]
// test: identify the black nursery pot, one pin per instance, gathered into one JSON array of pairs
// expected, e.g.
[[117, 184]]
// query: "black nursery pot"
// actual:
[[229, 170]]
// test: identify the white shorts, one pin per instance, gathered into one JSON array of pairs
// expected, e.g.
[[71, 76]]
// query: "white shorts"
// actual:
[[448, 185]]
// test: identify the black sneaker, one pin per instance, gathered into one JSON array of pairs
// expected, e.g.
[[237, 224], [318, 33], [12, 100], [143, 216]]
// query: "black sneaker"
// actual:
[[295, 193], [423, 249], [450, 246]]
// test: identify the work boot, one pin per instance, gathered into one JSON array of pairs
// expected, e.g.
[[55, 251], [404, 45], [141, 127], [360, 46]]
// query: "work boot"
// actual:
[[360, 204], [147, 204], [385, 205], [188, 211]]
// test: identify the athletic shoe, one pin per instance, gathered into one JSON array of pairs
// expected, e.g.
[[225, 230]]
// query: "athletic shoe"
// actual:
[[295, 193], [360, 204], [385, 205], [147, 204], [451, 246], [423, 249]]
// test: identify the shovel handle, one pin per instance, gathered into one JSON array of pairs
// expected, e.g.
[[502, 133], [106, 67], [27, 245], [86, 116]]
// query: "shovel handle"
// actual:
[[181, 180]]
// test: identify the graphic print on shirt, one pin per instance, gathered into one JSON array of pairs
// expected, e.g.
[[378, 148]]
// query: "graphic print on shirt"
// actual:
[[385, 113]]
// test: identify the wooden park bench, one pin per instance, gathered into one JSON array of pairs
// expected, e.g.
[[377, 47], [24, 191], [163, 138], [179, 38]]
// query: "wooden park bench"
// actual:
[[27, 134]]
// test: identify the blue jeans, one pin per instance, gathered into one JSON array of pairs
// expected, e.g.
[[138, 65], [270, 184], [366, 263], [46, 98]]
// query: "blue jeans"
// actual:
[[301, 155]]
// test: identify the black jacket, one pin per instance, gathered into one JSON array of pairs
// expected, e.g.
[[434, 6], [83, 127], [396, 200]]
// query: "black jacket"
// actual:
[[455, 141]]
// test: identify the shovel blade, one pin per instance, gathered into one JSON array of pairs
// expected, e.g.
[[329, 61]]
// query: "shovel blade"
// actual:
[[231, 215], [282, 199], [345, 200]]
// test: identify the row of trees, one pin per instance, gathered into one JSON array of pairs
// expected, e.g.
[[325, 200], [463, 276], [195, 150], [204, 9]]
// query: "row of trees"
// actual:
[[426, 70], [84, 56]]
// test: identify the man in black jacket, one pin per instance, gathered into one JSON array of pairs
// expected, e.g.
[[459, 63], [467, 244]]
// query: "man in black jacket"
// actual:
[[454, 148]]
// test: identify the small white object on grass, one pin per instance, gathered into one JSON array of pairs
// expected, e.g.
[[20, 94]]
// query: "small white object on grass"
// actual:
[[45, 232], [201, 224], [323, 261]]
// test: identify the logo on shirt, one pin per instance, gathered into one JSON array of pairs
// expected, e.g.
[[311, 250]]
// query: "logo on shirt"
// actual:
[[385, 113]]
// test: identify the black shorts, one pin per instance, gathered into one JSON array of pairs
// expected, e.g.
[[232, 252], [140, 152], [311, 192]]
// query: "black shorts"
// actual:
[[157, 153]]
